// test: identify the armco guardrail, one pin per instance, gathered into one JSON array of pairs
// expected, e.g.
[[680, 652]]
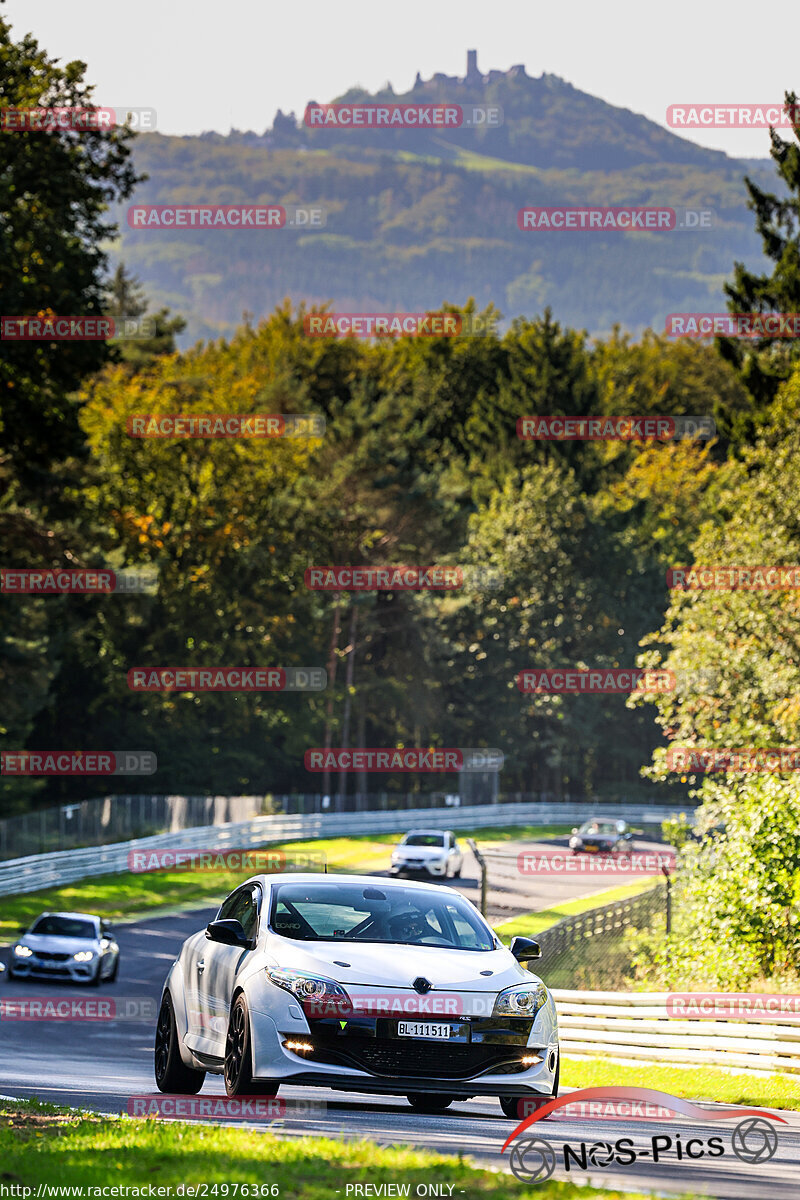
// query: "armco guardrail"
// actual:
[[634, 1026], [19, 875]]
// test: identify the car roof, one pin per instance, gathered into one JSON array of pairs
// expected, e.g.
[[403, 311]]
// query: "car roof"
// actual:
[[378, 881], [80, 915], [426, 831]]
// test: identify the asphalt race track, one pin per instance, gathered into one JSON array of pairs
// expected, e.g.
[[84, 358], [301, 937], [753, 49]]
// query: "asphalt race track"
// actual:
[[101, 1064]]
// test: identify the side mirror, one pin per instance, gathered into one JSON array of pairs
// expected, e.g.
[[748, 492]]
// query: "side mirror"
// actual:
[[628, 837], [22, 929], [525, 949], [229, 933]]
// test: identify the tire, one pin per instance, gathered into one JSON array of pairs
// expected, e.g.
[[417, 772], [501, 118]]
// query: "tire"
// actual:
[[172, 1074], [115, 972], [239, 1058], [510, 1104], [95, 980], [425, 1103], [457, 874]]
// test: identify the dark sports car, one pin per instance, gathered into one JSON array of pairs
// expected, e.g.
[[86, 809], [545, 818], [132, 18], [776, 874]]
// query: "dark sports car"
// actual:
[[600, 837]]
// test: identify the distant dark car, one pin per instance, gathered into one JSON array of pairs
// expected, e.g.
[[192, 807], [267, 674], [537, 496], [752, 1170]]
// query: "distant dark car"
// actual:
[[600, 837]]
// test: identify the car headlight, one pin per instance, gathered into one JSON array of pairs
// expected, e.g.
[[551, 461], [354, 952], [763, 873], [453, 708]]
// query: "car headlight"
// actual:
[[84, 956], [522, 1000], [22, 952], [315, 992]]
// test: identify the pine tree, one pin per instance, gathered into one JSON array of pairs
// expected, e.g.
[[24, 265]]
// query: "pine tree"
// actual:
[[764, 363]]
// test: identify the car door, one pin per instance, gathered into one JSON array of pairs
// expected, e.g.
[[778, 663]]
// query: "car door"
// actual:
[[221, 964]]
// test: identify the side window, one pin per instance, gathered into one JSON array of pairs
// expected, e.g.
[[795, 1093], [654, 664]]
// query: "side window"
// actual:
[[243, 906], [467, 936]]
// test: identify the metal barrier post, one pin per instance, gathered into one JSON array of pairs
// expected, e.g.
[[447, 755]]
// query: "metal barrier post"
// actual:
[[482, 864]]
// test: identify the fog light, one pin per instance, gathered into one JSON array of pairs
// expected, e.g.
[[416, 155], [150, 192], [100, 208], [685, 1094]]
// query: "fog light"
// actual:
[[299, 1047], [529, 1060]]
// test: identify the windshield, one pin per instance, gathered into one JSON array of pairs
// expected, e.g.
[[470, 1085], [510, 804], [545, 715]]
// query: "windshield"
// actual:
[[72, 927], [606, 828], [424, 839], [408, 916]]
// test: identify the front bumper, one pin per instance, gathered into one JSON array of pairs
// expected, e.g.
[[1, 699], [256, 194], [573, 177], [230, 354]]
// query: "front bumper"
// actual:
[[39, 968], [366, 1054], [415, 867]]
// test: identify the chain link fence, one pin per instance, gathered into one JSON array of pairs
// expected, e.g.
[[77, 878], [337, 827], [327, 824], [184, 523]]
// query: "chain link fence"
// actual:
[[111, 819], [590, 951]]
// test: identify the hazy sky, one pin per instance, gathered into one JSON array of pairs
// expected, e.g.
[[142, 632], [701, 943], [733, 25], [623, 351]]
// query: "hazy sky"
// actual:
[[207, 64]]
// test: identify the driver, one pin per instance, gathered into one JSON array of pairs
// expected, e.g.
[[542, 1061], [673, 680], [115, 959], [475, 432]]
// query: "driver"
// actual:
[[409, 927]]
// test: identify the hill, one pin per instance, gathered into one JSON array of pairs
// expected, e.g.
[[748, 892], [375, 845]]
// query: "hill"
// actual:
[[417, 218]]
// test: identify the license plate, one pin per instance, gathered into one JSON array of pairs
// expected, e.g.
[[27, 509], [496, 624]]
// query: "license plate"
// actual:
[[423, 1029], [591, 849]]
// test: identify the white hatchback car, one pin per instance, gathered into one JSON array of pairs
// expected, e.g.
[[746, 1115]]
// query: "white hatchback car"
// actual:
[[429, 850], [360, 984]]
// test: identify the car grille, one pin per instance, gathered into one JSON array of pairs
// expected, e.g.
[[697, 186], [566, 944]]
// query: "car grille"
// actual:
[[50, 956], [387, 1056]]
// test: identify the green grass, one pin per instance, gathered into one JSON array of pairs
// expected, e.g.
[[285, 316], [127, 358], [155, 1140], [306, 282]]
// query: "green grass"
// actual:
[[41, 1144], [692, 1083], [529, 924], [118, 897], [516, 833]]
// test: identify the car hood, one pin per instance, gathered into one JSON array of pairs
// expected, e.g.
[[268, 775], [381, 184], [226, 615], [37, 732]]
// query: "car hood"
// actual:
[[59, 945], [376, 965], [421, 851]]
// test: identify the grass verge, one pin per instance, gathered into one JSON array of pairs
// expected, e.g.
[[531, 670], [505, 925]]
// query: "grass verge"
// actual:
[[117, 897], [692, 1083], [529, 924], [42, 1144]]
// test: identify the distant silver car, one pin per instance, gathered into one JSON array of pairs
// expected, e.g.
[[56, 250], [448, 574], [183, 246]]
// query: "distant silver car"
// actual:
[[78, 947], [430, 850]]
